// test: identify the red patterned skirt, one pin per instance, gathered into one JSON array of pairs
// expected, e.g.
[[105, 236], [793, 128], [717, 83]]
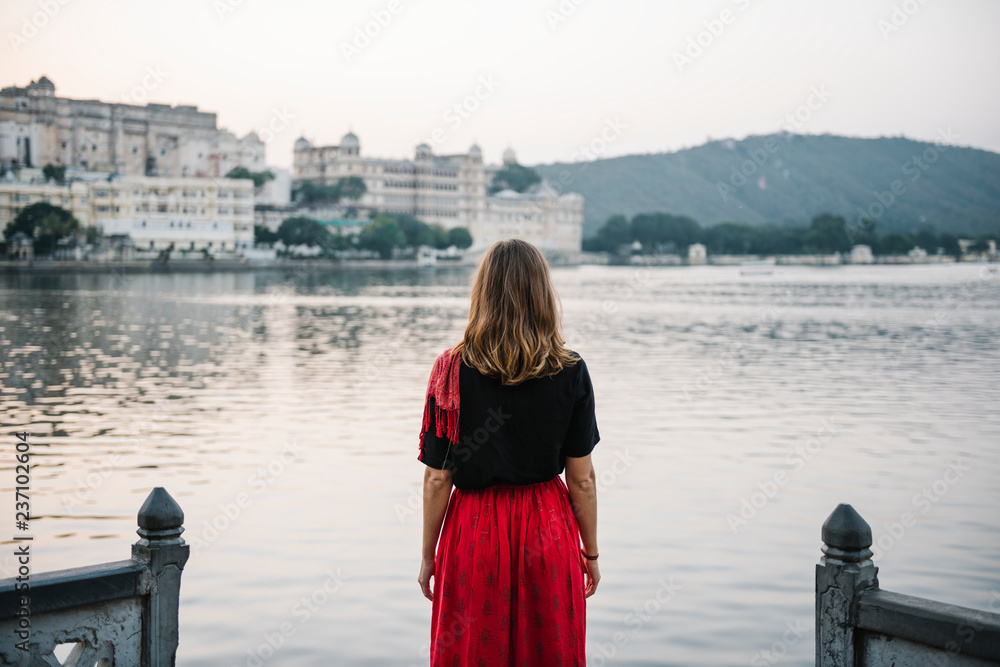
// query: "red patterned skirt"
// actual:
[[509, 580]]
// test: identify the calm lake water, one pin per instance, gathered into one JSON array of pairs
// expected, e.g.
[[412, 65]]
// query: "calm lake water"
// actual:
[[304, 392]]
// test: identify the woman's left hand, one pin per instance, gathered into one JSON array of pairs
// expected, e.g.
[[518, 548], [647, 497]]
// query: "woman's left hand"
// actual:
[[424, 578]]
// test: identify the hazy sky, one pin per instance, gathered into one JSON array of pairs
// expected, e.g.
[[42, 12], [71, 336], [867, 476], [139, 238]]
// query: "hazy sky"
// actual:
[[543, 76]]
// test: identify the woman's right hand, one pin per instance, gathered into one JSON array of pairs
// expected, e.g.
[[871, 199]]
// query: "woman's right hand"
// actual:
[[427, 567], [592, 578]]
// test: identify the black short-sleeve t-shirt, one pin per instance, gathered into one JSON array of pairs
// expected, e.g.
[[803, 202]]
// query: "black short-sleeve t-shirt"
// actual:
[[518, 434]]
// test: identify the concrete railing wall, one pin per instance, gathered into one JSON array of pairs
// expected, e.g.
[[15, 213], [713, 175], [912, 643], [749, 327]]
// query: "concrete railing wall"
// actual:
[[860, 625], [120, 614]]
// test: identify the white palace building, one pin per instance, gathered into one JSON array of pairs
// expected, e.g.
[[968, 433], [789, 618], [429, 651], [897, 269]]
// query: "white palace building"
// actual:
[[182, 214], [39, 128], [156, 172], [450, 190]]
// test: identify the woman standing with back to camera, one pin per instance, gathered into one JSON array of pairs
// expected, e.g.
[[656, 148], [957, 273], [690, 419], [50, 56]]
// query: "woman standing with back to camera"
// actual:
[[507, 409]]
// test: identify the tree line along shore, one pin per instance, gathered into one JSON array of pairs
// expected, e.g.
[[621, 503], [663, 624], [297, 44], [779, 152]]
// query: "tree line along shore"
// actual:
[[664, 233]]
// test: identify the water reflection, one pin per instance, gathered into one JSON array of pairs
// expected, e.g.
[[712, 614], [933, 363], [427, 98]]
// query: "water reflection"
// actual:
[[302, 391]]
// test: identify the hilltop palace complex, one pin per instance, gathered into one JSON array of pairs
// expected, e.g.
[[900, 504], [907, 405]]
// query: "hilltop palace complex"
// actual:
[[156, 173]]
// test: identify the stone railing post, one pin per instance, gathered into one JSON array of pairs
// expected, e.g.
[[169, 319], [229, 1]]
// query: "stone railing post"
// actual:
[[844, 572], [163, 549]]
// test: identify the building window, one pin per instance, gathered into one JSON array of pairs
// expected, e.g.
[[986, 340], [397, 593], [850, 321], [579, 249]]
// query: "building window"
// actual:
[[135, 150]]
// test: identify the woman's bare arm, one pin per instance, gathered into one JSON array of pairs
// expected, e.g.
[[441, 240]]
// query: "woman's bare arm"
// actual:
[[581, 480], [437, 490]]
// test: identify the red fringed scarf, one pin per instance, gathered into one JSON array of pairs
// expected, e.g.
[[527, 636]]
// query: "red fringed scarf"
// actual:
[[443, 388]]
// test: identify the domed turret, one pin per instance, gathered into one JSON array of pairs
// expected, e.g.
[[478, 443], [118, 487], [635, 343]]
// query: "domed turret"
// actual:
[[350, 140], [42, 88], [302, 144], [349, 144], [424, 152], [509, 157], [476, 153]]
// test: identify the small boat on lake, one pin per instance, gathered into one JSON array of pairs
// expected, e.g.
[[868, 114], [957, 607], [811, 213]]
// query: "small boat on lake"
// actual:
[[757, 267]]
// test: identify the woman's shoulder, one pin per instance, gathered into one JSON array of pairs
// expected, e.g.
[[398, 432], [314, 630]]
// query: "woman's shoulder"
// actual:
[[577, 360], [575, 367]]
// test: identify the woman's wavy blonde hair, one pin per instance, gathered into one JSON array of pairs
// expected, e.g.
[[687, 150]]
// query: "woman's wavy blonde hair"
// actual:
[[513, 331]]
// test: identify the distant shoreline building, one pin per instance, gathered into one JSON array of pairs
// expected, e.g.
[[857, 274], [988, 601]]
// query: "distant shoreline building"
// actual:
[[449, 190], [181, 214], [39, 128], [175, 151]]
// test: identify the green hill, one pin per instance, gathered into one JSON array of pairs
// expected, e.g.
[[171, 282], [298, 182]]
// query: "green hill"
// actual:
[[795, 177]]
